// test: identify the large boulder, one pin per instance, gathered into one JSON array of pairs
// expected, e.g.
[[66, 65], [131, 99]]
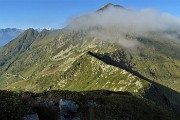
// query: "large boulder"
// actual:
[[91, 103], [68, 106]]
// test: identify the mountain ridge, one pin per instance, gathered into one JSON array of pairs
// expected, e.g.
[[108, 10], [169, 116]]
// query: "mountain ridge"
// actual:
[[73, 60], [8, 34], [110, 5], [65, 78]]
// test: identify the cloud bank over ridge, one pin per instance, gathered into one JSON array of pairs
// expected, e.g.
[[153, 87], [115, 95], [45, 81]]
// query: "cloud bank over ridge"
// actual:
[[114, 23]]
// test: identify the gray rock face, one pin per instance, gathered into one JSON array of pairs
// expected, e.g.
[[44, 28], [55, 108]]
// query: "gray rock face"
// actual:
[[91, 104], [76, 118], [68, 106], [63, 118], [31, 117], [47, 109]]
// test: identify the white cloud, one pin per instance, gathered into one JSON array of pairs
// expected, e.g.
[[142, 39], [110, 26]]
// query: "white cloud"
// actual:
[[113, 24]]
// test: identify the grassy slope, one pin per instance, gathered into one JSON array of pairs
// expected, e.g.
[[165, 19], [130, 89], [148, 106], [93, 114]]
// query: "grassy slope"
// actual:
[[59, 60], [55, 52], [99, 75], [85, 73], [157, 60]]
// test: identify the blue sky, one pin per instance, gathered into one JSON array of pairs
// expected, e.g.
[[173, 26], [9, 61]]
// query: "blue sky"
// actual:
[[54, 13]]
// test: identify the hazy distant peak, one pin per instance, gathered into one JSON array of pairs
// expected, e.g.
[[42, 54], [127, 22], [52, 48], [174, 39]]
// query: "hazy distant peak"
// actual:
[[8, 34], [44, 30], [110, 5], [10, 30]]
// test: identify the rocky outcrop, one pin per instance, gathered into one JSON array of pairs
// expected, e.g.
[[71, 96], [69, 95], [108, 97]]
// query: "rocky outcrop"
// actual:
[[46, 109], [31, 117], [68, 108]]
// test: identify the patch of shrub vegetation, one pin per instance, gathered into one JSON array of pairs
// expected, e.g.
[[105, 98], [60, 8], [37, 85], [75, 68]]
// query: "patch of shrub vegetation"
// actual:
[[12, 106], [108, 105]]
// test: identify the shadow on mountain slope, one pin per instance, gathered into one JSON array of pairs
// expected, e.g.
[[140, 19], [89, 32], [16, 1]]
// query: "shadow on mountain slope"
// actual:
[[158, 93]]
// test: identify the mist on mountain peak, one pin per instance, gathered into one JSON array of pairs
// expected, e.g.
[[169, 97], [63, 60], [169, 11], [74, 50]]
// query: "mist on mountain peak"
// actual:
[[114, 24]]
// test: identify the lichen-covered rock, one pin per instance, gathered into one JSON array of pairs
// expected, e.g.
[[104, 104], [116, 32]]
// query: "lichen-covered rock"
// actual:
[[76, 118], [31, 117], [68, 106], [91, 103]]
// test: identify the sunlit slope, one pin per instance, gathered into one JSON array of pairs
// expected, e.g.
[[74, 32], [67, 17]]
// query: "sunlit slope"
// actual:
[[55, 53], [71, 60], [86, 73]]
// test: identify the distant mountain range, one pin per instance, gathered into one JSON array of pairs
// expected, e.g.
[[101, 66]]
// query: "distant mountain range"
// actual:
[[8, 34]]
